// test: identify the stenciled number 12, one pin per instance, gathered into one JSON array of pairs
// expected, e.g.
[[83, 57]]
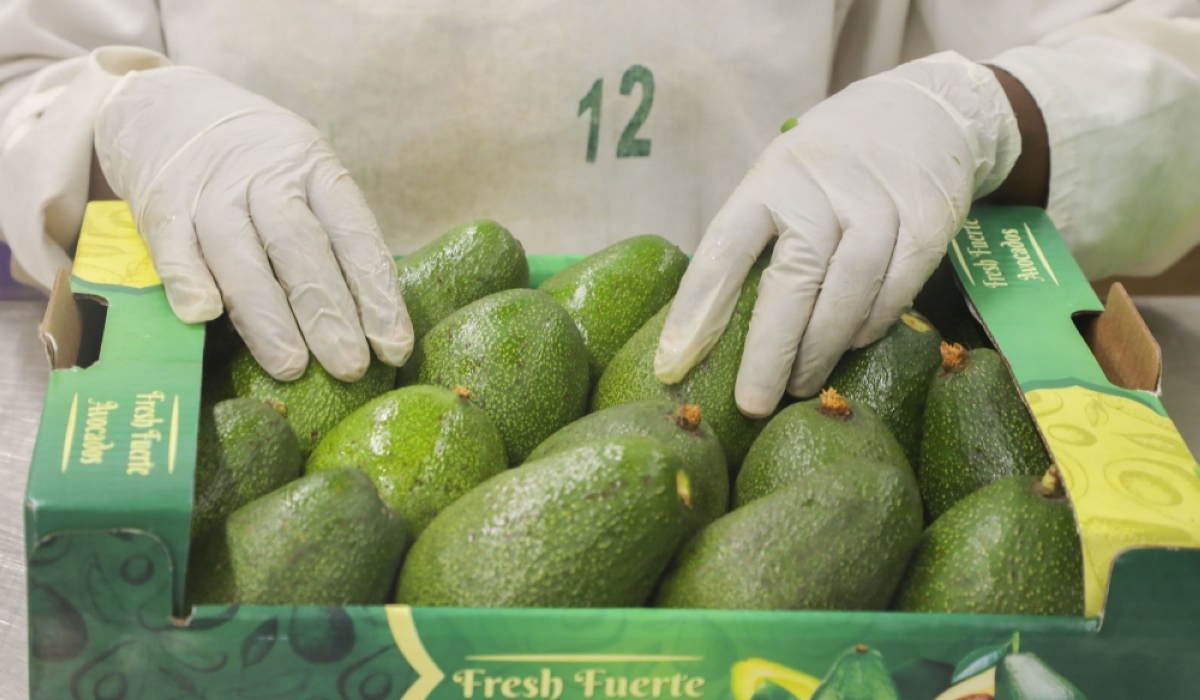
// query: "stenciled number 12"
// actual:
[[630, 146]]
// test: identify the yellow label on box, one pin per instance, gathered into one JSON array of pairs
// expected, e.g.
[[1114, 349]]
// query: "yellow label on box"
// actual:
[[1130, 477], [110, 250]]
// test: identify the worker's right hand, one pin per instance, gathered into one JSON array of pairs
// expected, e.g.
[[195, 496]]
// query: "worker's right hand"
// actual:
[[245, 207]]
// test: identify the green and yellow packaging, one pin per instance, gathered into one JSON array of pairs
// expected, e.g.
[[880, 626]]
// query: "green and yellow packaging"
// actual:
[[110, 491]]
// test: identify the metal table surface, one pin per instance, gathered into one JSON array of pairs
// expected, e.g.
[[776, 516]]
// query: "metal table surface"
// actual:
[[1175, 322]]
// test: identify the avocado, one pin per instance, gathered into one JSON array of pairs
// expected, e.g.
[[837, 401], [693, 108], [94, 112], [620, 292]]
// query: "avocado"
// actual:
[[244, 449], [1026, 677], [681, 428], [892, 376], [809, 435], [423, 446], [944, 303], [324, 539], [859, 674], [630, 375], [1009, 548], [976, 429], [612, 293], [316, 401], [837, 539], [589, 527], [521, 356], [464, 264]]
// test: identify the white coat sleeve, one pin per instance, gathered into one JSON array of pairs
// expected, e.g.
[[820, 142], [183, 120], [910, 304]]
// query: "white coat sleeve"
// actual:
[[58, 61], [1120, 93]]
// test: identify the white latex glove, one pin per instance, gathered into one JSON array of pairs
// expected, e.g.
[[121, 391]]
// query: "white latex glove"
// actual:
[[863, 195], [243, 201]]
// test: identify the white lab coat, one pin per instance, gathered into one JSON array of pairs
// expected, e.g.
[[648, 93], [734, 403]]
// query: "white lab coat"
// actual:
[[448, 110]]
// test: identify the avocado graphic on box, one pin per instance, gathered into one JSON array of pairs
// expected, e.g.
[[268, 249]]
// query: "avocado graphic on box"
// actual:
[[1003, 672], [858, 675]]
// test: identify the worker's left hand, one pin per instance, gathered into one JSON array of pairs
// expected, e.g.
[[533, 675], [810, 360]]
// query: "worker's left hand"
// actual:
[[863, 195]]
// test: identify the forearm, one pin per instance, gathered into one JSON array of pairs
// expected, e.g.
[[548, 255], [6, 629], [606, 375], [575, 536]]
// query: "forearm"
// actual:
[[1120, 99], [1028, 183]]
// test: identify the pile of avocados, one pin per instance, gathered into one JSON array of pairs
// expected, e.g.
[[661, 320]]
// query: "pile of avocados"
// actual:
[[527, 456]]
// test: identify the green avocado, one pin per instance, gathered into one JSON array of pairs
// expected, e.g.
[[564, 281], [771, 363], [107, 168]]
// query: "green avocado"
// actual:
[[892, 376], [630, 375], [316, 401], [612, 293], [423, 446], [589, 527], [1026, 677], [324, 539], [837, 539], [809, 435], [244, 450], [1009, 548], [523, 359], [859, 674], [976, 429], [680, 428], [464, 264]]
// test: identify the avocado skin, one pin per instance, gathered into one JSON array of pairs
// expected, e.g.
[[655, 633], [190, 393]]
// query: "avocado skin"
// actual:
[[245, 449], [1004, 549], [324, 539], [466, 263], [976, 431], [630, 375], [859, 674], [316, 401], [892, 376], [612, 293], [801, 440], [589, 527], [837, 539], [1026, 677], [699, 450], [423, 446], [523, 360]]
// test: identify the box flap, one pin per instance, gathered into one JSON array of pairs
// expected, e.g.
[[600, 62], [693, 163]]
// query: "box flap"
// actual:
[[117, 441], [1123, 345], [1132, 481], [61, 325]]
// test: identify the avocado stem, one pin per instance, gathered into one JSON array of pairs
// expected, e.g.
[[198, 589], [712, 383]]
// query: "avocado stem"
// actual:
[[683, 487], [954, 356], [687, 417], [834, 404], [1051, 483]]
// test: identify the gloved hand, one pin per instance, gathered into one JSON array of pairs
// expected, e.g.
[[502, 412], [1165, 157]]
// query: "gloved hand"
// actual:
[[863, 195], [242, 201]]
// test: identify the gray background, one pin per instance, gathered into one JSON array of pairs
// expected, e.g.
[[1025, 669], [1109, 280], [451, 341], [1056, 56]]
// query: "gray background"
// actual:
[[1175, 321]]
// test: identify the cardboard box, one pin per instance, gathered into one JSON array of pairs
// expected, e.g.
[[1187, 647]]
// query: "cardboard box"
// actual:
[[110, 489]]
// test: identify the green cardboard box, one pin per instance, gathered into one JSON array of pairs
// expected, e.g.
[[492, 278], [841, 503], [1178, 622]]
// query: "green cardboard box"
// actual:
[[110, 491]]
